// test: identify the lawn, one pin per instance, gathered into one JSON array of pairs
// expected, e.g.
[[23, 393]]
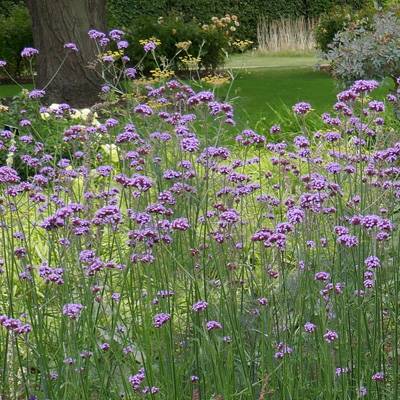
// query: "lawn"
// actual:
[[258, 92]]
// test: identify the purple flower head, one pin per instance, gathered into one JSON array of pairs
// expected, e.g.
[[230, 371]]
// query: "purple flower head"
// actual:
[[378, 377], [190, 144], [130, 73], [116, 34], [36, 94], [29, 52], [372, 262], [275, 129], [348, 240], [262, 301], [180, 224], [200, 305], [309, 327], [143, 109], [71, 46], [2, 63], [161, 319], [104, 346], [301, 108], [94, 34], [14, 325], [137, 379], [295, 215], [378, 106], [149, 46], [72, 310], [122, 44], [212, 325], [364, 86], [331, 336], [8, 175], [322, 276]]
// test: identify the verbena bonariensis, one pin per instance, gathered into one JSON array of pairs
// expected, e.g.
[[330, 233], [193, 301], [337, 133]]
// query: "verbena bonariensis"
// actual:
[[149, 261]]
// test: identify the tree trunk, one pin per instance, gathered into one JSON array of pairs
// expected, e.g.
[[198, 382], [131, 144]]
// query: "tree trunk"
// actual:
[[54, 23]]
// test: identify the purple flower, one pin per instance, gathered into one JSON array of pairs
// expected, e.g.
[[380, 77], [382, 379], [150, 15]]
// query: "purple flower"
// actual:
[[105, 346], [180, 224], [347, 240], [378, 377], [200, 305], [107, 215], [72, 310], [331, 336], [71, 46], [301, 108], [116, 34], [309, 327], [8, 175], [137, 379], [322, 276], [130, 73], [122, 44], [143, 109], [377, 106], [29, 52], [190, 144], [14, 325], [275, 129], [149, 46], [364, 86], [372, 262], [212, 325], [94, 34], [161, 319], [2, 63], [54, 275], [36, 94]]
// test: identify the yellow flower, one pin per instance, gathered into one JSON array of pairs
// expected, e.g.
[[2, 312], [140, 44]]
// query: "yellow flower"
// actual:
[[242, 45], [151, 39], [190, 62], [158, 74], [216, 80], [183, 45]]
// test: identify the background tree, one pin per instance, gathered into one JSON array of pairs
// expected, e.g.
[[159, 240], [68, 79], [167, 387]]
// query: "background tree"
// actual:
[[55, 23]]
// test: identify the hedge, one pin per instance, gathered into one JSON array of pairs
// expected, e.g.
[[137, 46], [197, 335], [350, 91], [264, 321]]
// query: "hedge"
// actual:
[[127, 12]]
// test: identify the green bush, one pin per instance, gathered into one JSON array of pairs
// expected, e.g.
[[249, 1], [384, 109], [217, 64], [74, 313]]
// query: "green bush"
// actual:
[[15, 34], [128, 12], [374, 53], [207, 44], [340, 18]]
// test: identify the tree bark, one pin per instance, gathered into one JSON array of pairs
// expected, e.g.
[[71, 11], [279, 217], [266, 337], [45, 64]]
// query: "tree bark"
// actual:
[[54, 23]]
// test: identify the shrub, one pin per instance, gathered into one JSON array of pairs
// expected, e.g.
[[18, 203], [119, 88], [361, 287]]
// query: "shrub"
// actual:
[[336, 20], [129, 12], [207, 42], [15, 34], [369, 53]]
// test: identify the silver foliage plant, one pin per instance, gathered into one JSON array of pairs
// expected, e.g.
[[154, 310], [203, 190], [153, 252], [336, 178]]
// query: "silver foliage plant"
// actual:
[[367, 52]]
